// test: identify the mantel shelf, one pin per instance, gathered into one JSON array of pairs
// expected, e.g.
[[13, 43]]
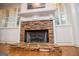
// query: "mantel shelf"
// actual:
[[30, 13]]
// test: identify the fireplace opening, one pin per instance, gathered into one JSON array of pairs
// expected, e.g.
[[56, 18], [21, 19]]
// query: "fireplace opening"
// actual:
[[40, 36]]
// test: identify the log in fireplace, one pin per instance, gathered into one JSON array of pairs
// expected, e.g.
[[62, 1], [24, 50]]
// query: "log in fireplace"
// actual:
[[39, 36]]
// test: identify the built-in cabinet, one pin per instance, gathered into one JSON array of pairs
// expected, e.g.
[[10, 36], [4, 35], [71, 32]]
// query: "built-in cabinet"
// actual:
[[9, 18]]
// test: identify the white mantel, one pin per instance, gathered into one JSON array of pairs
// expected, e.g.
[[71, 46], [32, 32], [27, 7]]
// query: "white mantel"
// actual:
[[38, 12], [47, 14]]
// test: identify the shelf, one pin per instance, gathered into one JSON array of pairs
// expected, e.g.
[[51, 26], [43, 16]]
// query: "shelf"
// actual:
[[36, 12]]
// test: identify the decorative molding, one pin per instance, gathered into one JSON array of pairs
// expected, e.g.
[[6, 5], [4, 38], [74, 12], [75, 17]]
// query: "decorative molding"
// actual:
[[9, 27], [37, 12], [76, 45], [65, 44], [9, 42], [38, 17], [66, 25], [57, 44]]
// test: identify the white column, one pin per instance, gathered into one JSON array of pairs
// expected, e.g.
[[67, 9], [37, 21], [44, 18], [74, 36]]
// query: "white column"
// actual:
[[75, 24], [54, 30]]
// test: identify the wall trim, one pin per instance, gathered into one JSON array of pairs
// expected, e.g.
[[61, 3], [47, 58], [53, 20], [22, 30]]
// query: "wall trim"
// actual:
[[66, 44], [11, 42], [9, 27], [57, 44], [66, 25]]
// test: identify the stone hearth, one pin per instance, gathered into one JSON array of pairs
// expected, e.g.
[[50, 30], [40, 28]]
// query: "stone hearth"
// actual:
[[38, 25]]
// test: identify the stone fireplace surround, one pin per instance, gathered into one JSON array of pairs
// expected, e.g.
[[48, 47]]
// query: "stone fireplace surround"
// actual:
[[37, 25]]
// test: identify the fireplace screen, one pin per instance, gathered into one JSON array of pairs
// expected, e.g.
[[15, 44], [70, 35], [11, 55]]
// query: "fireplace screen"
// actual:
[[36, 36]]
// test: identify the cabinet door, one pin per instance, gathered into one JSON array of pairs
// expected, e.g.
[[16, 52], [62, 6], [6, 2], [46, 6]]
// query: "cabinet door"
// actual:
[[2, 17], [12, 20]]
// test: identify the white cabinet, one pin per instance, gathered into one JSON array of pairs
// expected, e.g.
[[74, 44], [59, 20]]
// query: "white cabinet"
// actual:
[[9, 17]]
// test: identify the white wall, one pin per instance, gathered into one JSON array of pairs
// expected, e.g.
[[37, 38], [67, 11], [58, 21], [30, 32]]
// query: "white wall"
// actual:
[[64, 35], [9, 35]]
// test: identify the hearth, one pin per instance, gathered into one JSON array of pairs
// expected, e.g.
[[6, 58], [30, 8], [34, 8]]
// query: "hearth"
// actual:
[[38, 36]]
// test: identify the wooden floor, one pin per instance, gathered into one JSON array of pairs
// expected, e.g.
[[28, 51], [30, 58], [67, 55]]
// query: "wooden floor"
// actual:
[[18, 51], [23, 52]]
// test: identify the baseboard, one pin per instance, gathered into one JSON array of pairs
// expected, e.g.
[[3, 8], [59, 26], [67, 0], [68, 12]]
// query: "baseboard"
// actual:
[[9, 42]]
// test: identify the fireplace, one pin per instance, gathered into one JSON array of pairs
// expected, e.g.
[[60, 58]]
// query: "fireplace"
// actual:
[[38, 36], [37, 31]]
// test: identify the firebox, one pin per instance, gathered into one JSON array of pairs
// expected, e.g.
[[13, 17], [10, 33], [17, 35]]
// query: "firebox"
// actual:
[[39, 36]]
